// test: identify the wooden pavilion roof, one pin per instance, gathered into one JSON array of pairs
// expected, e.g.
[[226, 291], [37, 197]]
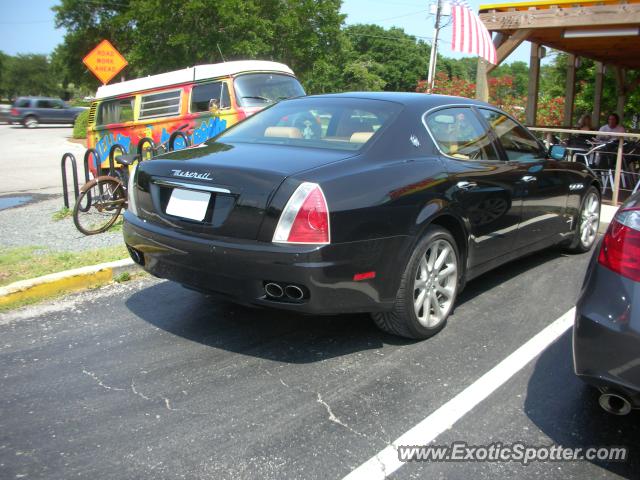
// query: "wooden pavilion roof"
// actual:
[[607, 31]]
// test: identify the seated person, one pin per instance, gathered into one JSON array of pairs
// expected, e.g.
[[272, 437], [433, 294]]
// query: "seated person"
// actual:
[[581, 141], [613, 125]]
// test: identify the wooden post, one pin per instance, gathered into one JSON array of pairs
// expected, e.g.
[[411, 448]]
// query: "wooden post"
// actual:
[[482, 80], [597, 95], [616, 178], [570, 91], [534, 78], [621, 90]]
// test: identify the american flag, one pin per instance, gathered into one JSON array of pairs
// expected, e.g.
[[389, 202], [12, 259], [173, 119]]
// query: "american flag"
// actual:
[[469, 33]]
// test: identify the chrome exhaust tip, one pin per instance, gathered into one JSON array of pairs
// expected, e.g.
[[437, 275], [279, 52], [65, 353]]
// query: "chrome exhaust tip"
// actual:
[[615, 403], [136, 255], [293, 292], [273, 290]]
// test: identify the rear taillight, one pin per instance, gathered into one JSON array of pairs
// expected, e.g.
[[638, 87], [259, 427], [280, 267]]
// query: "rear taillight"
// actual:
[[14, 112], [620, 249], [305, 218]]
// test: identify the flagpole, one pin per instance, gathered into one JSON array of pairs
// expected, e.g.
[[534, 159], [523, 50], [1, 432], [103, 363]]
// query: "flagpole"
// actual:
[[434, 50]]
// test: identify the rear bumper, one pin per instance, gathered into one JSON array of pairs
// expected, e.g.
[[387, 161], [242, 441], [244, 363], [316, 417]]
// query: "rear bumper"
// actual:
[[606, 335], [239, 269]]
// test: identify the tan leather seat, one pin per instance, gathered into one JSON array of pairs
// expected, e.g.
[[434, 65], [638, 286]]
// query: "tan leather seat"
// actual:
[[283, 132], [360, 137]]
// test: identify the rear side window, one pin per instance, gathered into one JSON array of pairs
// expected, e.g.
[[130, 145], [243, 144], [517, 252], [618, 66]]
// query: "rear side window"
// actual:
[[517, 142], [201, 95], [458, 133], [22, 103], [115, 111], [164, 104]]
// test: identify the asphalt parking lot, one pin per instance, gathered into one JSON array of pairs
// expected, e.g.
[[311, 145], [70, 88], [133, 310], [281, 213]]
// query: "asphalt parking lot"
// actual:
[[149, 380], [37, 152]]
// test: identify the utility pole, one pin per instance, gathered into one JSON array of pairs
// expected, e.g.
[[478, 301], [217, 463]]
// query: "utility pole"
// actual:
[[434, 49]]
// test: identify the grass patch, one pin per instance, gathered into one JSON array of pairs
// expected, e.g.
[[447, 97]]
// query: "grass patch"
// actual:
[[117, 227], [29, 262], [61, 214], [122, 277]]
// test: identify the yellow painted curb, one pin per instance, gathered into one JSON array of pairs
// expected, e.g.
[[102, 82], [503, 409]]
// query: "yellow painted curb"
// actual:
[[63, 282]]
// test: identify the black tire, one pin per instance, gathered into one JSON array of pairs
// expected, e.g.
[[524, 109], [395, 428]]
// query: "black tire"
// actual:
[[98, 206], [587, 218], [30, 121], [403, 320]]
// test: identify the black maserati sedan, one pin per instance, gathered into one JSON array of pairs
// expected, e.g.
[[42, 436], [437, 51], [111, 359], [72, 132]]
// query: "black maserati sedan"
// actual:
[[358, 202], [606, 333]]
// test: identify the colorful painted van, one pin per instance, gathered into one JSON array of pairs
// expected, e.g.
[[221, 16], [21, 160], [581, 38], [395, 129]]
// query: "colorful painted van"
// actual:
[[184, 107]]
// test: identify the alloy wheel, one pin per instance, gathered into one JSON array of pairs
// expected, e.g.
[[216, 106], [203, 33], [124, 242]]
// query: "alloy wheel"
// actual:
[[435, 284], [589, 219]]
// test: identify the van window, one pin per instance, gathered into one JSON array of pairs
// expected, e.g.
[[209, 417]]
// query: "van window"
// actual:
[[22, 103], [163, 104], [261, 89], [202, 94], [115, 111]]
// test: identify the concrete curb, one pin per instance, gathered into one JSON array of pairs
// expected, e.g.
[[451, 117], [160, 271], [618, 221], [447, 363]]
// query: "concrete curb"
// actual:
[[607, 213], [94, 275], [65, 282]]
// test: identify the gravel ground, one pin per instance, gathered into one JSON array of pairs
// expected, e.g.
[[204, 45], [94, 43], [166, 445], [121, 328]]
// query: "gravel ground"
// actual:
[[32, 225]]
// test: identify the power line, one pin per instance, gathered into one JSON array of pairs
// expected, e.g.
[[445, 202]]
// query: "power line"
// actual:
[[399, 16]]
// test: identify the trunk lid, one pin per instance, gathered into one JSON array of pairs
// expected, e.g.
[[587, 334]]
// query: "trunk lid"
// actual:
[[224, 188]]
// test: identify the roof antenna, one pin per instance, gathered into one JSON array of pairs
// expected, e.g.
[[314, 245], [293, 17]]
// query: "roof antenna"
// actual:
[[218, 45]]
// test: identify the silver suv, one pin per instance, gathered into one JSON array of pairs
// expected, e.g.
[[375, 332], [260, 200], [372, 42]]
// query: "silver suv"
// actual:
[[31, 111]]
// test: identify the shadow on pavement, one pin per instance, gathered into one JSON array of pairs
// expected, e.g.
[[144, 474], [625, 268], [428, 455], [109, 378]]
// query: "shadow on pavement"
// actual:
[[279, 335], [503, 274], [270, 334], [567, 410]]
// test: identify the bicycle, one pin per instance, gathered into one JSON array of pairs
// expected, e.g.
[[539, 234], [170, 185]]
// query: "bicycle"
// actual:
[[103, 198]]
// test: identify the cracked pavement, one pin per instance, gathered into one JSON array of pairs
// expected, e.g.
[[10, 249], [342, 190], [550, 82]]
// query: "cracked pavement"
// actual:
[[149, 380]]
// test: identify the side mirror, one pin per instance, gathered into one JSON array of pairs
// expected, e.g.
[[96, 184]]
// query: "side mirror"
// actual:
[[557, 152]]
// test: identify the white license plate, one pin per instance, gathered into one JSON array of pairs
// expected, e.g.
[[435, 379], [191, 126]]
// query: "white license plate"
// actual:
[[188, 204]]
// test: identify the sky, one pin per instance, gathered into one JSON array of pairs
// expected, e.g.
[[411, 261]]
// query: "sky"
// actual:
[[27, 26]]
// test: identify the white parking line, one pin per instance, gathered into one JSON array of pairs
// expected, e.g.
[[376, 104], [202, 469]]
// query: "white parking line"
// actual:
[[385, 462]]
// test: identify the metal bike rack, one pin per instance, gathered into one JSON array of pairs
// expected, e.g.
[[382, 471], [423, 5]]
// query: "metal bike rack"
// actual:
[[112, 153], [87, 170], [74, 171]]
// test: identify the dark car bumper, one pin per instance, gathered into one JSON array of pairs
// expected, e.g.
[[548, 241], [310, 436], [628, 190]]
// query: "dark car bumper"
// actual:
[[239, 269], [606, 335]]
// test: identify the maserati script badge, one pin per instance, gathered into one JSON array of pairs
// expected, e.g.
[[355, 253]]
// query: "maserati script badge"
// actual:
[[187, 174]]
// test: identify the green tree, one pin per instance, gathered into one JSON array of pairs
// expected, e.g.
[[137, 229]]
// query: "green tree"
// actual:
[[28, 74], [160, 35], [397, 58]]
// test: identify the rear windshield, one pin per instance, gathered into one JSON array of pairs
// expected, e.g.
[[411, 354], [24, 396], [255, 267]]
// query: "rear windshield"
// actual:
[[262, 89], [331, 123]]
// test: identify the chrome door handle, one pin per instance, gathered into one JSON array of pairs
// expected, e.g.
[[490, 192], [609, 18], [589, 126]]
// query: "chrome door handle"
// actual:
[[529, 178], [466, 185]]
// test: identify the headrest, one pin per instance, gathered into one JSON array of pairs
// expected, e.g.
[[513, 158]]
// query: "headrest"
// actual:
[[283, 132], [360, 137]]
